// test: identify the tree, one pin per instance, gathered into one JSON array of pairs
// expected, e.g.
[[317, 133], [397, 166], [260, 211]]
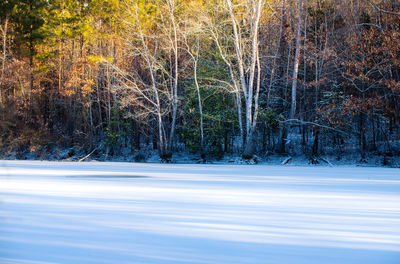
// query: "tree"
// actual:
[[160, 55], [28, 20], [251, 84], [5, 13]]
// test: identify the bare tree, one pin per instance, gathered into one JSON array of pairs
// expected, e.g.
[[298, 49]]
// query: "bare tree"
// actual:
[[236, 88], [250, 91], [137, 86], [296, 61], [171, 5], [157, 41], [194, 54]]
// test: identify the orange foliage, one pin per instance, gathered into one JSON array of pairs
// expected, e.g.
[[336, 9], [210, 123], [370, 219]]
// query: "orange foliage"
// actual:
[[79, 81], [354, 104]]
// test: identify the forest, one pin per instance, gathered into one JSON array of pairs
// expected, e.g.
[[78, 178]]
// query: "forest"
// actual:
[[247, 78]]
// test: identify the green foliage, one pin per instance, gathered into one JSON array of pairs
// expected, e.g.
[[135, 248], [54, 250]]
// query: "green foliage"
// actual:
[[28, 17], [116, 130], [219, 120], [6, 7], [219, 111], [83, 57], [270, 119], [65, 18]]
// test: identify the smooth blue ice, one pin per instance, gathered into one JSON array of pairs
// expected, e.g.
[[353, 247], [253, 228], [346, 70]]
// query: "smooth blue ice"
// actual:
[[56, 212]]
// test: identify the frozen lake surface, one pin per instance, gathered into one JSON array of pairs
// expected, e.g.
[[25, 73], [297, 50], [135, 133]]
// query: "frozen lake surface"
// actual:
[[53, 212]]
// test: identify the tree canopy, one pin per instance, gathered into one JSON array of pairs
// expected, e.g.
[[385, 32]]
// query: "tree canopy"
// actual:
[[211, 77]]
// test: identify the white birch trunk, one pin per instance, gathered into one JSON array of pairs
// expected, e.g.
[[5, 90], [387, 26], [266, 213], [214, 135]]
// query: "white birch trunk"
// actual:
[[296, 62], [162, 147], [252, 117], [238, 49], [236, 88], [248, 88], [196, 59], [171, 5]]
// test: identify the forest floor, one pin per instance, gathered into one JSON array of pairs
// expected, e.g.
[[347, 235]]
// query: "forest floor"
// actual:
[[116, 212]]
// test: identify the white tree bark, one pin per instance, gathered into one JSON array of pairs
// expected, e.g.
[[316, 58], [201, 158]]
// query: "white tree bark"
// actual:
[[237, 43], [196, 59], [162, 145], [171, 7], [235, 86], [162, 91], [296, 61], [251, 102]]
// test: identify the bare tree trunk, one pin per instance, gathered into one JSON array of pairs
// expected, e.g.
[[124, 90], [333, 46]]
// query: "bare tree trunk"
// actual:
[[303, 115], [3, 63], [255, 60], [171, 4], [248, 87], [196, 59], [248, 152], [60, 58], [271, 81], [137, 134], [31, 54], [315, 148], [240, 63], [237, 90], [282, 47], [162, 149], [238, 49], [296, 61], [31, 77]]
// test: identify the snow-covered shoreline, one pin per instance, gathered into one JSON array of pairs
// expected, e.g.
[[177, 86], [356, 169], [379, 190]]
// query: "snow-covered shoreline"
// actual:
[[348, 160]]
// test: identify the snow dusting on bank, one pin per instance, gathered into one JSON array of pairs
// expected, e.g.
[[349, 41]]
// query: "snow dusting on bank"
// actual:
[[60, 212]]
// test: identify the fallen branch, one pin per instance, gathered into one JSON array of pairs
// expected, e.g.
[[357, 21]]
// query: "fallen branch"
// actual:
[[386, 11], [326, 161], [286, 161], [301, 122], [88, 155]]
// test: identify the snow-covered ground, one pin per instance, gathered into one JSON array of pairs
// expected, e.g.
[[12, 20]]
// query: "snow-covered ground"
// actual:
[[60, 212]]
